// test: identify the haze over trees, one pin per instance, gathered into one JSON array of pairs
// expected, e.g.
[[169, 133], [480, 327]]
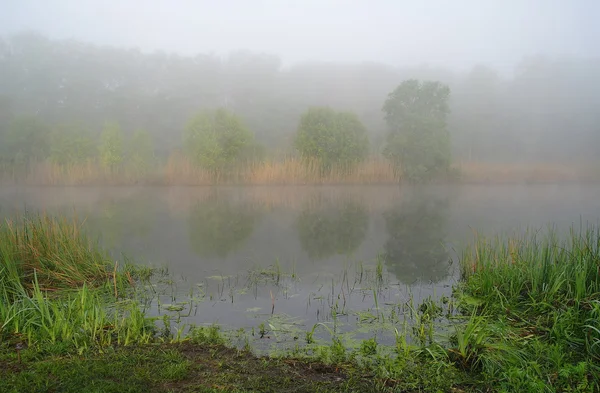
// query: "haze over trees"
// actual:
[[418, 142], [332, 138], [545, 111], [216, 140]]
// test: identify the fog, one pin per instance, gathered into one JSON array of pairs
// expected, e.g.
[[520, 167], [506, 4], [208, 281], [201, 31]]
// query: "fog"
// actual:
[[280, 158], [524, 75], [456, 34]]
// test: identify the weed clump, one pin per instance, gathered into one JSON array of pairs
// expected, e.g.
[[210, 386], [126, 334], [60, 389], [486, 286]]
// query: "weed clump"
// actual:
[[535, 312]]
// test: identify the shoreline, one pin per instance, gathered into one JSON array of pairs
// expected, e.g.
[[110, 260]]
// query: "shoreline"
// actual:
[[374, 172], [523, 315]]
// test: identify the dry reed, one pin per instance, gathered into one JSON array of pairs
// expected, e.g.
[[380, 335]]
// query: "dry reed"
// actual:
[[180, 171]]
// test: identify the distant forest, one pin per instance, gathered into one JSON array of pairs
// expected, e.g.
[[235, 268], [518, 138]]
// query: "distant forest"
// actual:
[[548, 110]]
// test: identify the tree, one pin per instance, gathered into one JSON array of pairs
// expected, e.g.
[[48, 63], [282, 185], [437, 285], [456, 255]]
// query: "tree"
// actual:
[[111, 146], [140, 154], [215, 140], [71, 144], [418, 142], [332, 138], [26, 140]]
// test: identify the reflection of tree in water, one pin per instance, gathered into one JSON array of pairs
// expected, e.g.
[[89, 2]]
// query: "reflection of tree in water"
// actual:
[[332, 227], [217, 226], [415, 249], [119, 220]]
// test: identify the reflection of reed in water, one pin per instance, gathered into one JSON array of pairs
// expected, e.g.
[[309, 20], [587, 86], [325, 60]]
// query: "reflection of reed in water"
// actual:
[[373, 198]]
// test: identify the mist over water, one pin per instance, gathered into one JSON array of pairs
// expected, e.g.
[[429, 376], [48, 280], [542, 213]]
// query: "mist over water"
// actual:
[[115, 98], [218, 237]]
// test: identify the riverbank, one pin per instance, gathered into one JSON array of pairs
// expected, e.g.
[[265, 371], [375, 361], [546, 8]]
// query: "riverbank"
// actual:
[[178, 171], [524, 317]]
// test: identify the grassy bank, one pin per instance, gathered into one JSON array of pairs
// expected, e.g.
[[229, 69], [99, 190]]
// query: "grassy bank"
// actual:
[[178, 170], [525, 317]]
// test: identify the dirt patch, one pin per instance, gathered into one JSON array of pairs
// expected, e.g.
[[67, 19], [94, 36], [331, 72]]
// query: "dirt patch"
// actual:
[[223, 368]]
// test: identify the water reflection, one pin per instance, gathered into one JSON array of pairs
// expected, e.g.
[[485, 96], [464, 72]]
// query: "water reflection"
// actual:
[[416, 225], [328, 227], [118, 221], [218, 226]]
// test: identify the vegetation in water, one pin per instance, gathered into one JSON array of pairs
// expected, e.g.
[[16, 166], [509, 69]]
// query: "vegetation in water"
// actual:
[[524, 317]]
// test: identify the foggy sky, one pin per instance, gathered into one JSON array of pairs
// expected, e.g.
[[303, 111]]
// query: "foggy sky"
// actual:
[[452, 33]]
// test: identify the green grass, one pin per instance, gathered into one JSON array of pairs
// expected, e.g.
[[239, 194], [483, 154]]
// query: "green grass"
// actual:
[[535, 304], [54, 253], [524, 318], [58, 290]]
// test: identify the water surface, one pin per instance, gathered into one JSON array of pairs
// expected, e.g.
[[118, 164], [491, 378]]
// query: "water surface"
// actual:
[[249, 254]]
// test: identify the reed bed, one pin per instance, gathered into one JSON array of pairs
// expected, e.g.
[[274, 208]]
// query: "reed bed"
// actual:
[[535, 304], [59, 291], [289, 170], [52, 250]]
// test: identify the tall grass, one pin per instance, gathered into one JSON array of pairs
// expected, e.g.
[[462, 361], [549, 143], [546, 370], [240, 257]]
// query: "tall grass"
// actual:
[[288, 170], [285, 170], [539, 298], [58, 289], [52, 250]]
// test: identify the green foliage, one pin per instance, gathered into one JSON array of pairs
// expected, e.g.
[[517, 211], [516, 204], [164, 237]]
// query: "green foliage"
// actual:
[[42, 255], [537, 312], [111, 146], [333, 138], [418, 142], [215, 140], [140, 152], [71, 144], [25, 139]]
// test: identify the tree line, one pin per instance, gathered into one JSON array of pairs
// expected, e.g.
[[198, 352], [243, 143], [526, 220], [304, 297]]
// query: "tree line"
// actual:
[[545, 111]]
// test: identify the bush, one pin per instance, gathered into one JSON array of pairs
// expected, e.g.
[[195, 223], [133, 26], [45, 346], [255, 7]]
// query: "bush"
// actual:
[[140, 152], [333, 138], [111, 146], [216, 140], [25, 139], [71, 144]]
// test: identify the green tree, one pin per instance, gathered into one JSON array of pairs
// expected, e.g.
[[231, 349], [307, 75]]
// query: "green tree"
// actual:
[[140, 152], [418, 142], [333, 138], [26, 139], [71, 144], [332, 227], [111, 146], [216, 140]]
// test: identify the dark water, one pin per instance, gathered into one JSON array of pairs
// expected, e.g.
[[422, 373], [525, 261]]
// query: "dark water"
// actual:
[[241, 251]]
